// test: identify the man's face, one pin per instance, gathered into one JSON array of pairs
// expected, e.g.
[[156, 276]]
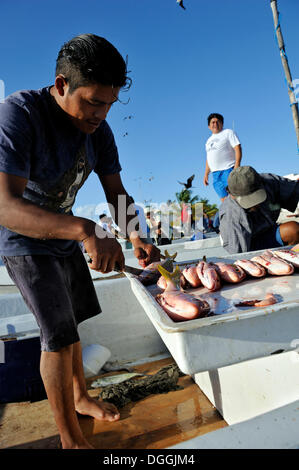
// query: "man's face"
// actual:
[[215, 125], [88, 105]]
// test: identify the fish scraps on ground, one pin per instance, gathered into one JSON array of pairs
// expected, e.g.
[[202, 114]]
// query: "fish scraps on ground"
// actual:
[[164, 381]]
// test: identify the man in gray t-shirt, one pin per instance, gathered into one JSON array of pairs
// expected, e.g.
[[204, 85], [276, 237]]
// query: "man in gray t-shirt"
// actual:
[[248, 215]]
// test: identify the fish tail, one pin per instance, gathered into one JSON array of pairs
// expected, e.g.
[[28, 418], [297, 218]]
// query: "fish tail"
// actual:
[[168, 256], [173, 277]]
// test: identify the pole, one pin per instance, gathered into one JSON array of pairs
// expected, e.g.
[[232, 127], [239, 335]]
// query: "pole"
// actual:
[[285, 64]]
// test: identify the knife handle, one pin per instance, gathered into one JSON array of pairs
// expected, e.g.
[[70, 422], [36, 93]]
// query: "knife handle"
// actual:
[[116, 265]]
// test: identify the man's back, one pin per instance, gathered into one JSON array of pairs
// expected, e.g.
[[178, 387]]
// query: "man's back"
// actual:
[[239, 227]]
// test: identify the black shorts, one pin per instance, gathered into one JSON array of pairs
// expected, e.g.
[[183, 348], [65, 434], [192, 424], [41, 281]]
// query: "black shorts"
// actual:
[[59, 291]]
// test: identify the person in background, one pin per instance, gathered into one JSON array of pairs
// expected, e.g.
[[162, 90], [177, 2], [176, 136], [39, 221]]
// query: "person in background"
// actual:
[[156, 231], [161, 237], [143, 227], [151, 224], [51, 139], [105, 222], [248, 215], [224, 153]]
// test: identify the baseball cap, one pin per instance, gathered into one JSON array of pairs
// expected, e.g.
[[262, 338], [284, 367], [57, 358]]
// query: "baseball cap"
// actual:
[[245, 184]]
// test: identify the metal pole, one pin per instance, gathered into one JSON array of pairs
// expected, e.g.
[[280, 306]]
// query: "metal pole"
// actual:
[[285, 64]]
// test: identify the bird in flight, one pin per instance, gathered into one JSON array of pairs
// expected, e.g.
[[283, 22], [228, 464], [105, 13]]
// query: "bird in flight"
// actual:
[[180, 2], [128, 117], [188, 184]]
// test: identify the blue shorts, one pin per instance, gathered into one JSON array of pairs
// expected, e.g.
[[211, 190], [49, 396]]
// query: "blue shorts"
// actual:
[[269, 239], [220, 181]]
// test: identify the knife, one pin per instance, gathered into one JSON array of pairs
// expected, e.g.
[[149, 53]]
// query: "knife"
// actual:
[[127, 269]]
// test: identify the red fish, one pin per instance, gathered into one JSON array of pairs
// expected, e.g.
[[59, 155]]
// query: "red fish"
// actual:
[[288, 255], [208, 275], [190, 273], [274, 265], [230, 272], [251, 267], [179, 305]]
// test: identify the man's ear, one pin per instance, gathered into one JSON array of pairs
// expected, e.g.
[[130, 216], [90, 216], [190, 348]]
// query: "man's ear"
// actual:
[[61, 84]]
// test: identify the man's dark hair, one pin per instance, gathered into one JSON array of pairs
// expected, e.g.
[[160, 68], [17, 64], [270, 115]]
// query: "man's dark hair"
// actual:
[[87, 59], [215, 115]]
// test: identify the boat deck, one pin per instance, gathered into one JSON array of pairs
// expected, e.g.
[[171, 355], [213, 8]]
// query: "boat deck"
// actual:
[[155, 422]]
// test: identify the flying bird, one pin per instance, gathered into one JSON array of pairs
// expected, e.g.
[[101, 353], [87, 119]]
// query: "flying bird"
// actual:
[[180, 2], [128, 117], [126, 133], [189, 182]]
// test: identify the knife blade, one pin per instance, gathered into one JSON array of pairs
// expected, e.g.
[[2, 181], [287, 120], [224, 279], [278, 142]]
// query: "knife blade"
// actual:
[[128, 269]]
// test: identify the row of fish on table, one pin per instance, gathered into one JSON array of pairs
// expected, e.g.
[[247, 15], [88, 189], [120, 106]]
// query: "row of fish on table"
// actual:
[[181, 305]]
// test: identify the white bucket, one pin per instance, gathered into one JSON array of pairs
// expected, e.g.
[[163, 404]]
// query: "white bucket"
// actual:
[[94, 357]]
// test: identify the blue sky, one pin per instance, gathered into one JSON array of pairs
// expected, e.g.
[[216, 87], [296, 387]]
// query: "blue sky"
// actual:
[[215, 56]]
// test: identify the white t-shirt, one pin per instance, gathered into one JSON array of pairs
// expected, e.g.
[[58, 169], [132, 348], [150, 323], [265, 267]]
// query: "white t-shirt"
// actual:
[[220, 150]]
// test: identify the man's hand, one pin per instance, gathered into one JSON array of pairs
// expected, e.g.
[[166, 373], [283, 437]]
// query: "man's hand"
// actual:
[[238, 155], [104, 252], [146, 253], [206, 175]]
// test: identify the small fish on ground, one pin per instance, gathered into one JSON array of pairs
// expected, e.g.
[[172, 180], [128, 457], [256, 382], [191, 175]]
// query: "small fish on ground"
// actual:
[[114, 379]]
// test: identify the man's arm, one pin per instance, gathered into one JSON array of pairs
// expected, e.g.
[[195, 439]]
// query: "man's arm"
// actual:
[[206, 175], [21, 216], [238, 155], [126, 218]]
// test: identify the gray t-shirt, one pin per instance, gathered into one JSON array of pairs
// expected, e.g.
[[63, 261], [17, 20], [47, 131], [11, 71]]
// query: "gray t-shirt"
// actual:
[[38, 142], [239, 227]]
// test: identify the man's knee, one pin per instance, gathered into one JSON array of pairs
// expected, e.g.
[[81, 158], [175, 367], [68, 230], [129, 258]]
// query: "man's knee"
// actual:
[[289, 233]]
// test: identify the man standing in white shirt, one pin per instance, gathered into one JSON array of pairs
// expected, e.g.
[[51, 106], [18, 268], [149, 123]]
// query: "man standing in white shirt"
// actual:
[[224, 153]]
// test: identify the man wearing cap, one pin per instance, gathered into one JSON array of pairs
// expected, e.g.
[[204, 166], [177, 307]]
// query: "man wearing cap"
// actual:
[[248, 215]]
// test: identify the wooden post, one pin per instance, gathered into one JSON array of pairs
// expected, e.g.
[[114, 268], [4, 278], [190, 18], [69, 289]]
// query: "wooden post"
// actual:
[[285, 64]]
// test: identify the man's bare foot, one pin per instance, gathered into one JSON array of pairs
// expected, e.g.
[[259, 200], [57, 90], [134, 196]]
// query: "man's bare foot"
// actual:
[[101, 410], [83, 444]]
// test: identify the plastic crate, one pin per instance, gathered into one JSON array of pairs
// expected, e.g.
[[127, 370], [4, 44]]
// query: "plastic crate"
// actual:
[[20, 378]]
